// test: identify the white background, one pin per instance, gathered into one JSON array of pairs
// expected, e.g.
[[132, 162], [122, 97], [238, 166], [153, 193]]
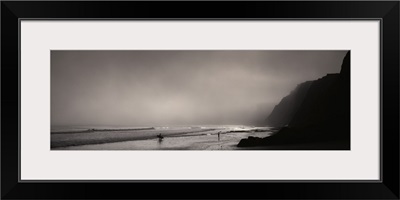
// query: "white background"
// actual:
[[39, 37]]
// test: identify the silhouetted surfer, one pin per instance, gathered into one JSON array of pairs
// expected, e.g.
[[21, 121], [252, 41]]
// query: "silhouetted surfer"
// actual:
[[160, 137], [219, 135]]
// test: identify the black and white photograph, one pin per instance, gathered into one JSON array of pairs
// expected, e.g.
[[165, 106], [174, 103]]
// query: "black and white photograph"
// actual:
[[200, 100], [100, 97]]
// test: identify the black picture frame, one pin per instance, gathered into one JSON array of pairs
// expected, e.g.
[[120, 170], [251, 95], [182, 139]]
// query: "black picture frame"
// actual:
[[385, 11]]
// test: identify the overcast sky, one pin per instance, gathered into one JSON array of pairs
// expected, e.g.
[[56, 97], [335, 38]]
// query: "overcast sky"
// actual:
[[156, 88]]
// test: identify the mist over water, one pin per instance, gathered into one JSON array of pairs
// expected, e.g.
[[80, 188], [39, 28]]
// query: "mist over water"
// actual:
[[170, 88]]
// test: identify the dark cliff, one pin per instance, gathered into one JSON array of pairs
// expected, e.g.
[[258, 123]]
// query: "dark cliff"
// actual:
[[283, 113], [315, 112]]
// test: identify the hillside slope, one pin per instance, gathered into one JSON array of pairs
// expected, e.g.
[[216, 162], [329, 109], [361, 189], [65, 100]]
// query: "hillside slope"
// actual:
[[315, 112]]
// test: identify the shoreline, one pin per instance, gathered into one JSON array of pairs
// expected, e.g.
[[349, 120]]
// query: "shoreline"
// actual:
[[193, 139], [203, 141], [90, 130], [125, 136]]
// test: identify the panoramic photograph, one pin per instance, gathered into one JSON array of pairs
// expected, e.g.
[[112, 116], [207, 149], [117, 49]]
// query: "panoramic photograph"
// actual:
[[200, 100]]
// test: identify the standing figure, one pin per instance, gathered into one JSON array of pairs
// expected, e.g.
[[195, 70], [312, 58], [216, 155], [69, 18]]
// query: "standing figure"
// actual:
[[219, 135], [160, 137]]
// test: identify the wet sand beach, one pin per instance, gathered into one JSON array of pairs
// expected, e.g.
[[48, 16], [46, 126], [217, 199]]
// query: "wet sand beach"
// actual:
[[199, 138]]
